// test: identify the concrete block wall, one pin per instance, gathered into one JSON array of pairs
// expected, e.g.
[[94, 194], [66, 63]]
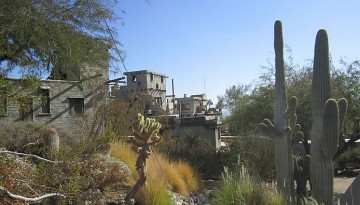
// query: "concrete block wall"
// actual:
[[92, 91]]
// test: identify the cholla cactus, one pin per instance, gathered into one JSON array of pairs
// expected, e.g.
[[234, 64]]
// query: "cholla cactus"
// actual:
[[328, 118], [145, 135], [145, 132]]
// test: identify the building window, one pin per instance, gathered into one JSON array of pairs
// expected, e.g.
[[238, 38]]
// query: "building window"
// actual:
[[162, 79], [151, 77], [26, 110], [134, 78], [76, 106], [45, 107], [157, 86]]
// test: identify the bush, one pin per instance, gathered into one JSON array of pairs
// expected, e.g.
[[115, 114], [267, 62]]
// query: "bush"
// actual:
[[350, 158], [22, 136], [194, 150], [255, 153], [243, 189], [103, 171]]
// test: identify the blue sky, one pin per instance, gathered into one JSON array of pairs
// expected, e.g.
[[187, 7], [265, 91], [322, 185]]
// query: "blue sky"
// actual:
[[208, 46]]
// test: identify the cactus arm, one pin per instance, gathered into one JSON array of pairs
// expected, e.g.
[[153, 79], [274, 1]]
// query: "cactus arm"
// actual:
[[343, 105], [330, 138]]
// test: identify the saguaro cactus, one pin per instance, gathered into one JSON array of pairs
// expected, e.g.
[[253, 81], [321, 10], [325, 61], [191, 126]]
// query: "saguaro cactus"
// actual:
[[280, 131], [328, 118]]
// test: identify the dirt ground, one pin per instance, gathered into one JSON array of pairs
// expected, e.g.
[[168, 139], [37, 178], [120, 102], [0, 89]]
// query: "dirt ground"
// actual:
[[342, 183]]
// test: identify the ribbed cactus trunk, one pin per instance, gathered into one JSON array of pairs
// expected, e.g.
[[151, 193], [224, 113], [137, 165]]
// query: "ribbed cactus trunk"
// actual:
[[282, 143], [321, 163]]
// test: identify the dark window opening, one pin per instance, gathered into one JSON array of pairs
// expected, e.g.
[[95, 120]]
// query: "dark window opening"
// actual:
[[151, 77], [157, 86], [76, 106], [45, 107], [162, 79], [134, 78]]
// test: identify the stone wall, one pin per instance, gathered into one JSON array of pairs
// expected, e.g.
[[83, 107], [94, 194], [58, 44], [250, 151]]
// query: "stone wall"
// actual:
[[65, 103]]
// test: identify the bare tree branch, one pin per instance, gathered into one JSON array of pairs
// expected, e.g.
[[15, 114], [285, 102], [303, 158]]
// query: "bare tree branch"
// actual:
[[28, 155], [26, 199]]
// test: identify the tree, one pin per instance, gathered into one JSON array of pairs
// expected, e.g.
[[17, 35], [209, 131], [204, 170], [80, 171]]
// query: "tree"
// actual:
[[234, 96], [249, 105], [346, 83], [41, 35]]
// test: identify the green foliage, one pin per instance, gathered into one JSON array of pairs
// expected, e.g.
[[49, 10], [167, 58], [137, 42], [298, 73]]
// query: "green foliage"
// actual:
[[242, 119], [244, 190], [195, 150], [346, 84], [43, 35], [255, 153], [350, 158]]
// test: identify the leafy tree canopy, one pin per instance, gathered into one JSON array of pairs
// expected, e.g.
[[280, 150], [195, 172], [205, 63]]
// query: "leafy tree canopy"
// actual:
[[250, 104], [40, 35]]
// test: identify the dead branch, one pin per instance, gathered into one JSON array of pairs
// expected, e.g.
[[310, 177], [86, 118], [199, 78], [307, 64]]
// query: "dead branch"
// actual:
[[3, 191], [28, 155]]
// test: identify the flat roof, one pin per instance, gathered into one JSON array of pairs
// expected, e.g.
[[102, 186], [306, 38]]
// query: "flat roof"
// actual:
[[145, 71]]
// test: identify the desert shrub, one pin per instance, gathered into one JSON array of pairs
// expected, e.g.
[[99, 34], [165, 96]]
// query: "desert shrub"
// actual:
[[16, 174], [350, 158], [194, 150], [243, 189], [22, 136], [9, 179], [255, 153], [103, 171], [65, 177]]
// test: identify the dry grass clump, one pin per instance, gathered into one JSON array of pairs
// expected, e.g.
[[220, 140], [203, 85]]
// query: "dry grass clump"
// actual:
[[161, 174]]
